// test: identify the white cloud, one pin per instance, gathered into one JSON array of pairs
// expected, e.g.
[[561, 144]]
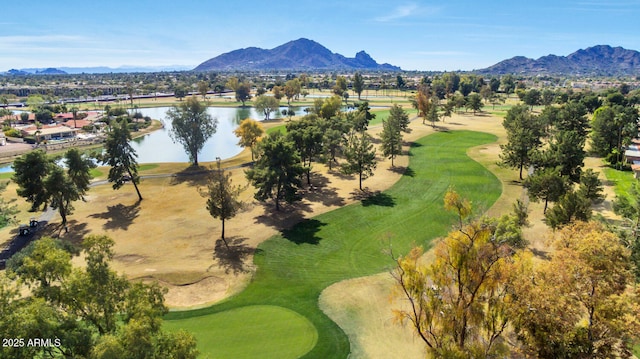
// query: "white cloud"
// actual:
[[399, 12]]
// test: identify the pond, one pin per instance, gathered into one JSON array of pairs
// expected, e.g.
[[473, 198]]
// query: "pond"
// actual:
[[158, 146]]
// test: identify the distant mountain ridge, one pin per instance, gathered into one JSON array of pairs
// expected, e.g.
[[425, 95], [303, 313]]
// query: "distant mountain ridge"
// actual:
[[596, 60], [301, 54], [96, 70]]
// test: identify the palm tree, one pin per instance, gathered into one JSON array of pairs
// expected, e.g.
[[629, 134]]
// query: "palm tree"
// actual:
[[74, 112]]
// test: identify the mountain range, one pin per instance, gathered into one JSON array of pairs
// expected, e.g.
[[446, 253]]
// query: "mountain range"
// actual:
[[301, 54], [96, 70], [600, 60], [307, 55]]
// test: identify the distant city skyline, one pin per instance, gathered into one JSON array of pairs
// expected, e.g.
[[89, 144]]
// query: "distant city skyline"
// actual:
[[415, 35]]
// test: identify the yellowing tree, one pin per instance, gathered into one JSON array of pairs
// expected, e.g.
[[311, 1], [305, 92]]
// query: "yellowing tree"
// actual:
[[583, 302], [249, 133], [458, 304]]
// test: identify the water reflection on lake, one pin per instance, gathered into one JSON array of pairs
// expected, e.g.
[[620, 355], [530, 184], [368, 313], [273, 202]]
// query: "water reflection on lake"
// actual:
[[158, 146]]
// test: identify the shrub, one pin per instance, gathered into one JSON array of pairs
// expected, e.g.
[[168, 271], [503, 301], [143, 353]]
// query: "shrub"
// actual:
[[13, 132]]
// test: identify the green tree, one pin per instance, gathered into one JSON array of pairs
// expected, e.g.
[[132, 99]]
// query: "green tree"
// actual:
[[591, 102], [121, 157], [266, 105], [400, 83], [547, 185], [91, 299], [334, 129], [30, 171], [508, 83], [292, 89], [591, 187], [571, 207], [400, 116], [92, 311], [565, 151], [523, 138], [35, 102], [572, 116], [307, 135], [249, 132], [276, 173], [612, 129], [340, 86], [180, 92], [74, 113], [604, 138], [532, 98], [432, 115], [61, 191], [203, 88], [233, 83], [361, 117], [474, 102], [192, 126], [79, 170], [328, 107], [391, 139], [222, 198], [358, 84], [360, 156], [243, 93]]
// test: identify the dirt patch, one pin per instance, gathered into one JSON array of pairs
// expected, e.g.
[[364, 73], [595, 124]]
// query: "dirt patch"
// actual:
[[201, 293], [362, 308]]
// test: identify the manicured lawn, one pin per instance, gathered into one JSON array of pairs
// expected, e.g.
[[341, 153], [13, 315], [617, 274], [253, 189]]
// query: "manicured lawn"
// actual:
[[279, 128], [260, 330], [295, 266], [622, 180], [384, 114]]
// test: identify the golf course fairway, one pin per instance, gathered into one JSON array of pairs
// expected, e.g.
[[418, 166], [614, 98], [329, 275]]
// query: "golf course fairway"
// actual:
[[278, 313]]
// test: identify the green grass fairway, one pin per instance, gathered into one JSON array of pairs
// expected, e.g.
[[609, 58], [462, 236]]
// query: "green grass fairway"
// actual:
[[622, 180], [260, 330], [295, 266]]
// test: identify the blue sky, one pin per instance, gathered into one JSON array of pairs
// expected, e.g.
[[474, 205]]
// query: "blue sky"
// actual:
[[415, 35]]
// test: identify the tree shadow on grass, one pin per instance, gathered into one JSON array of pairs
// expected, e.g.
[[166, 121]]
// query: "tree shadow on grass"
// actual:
[[119, 216], [192, 176], [232, 257], [304, 232], [378, 199], [405, 171], [413, 145], [287, 216], [375, 198]]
